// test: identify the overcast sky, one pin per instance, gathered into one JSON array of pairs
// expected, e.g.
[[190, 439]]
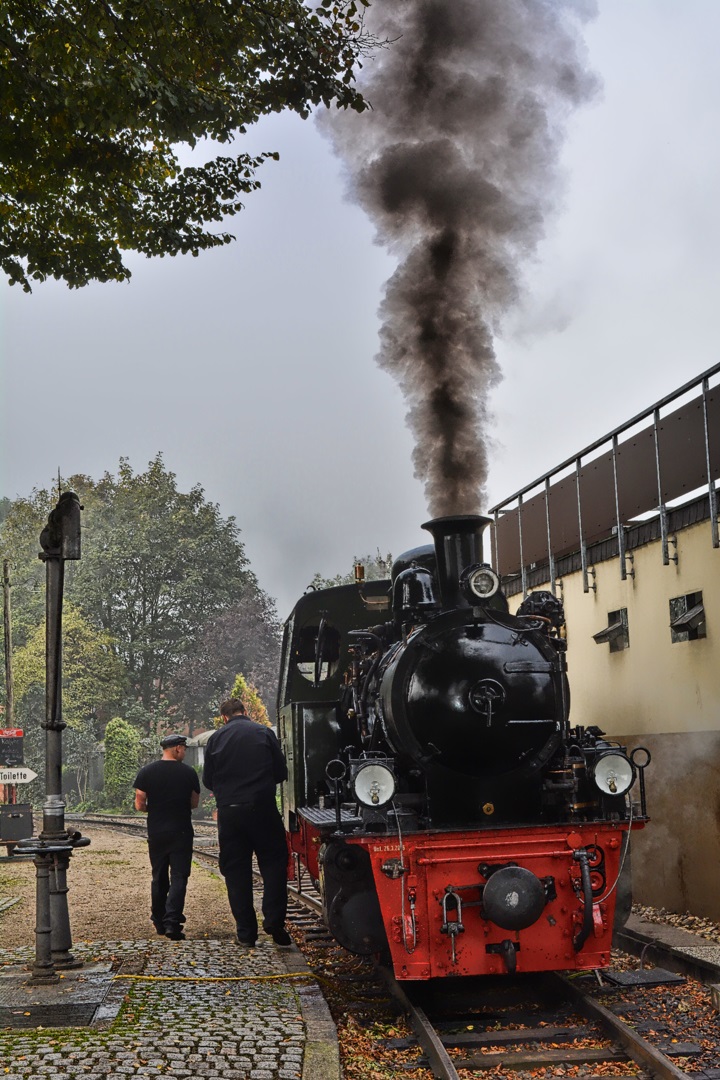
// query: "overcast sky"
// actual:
[[252, 367]]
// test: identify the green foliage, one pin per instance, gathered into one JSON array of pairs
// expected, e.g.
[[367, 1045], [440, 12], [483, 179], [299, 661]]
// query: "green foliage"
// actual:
[[377, 567], [20, 544], [164, 576], [91, 802], [253, 702], [94, 682], [96, 97], [122, 758], [92, 674], [157, 564]]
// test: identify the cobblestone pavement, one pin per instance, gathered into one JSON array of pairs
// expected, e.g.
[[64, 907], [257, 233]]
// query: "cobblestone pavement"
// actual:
[[173, 1009]]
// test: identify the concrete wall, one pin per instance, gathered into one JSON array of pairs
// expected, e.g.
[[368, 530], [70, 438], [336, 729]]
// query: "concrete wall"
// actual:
[[677, 856], [662, 695]]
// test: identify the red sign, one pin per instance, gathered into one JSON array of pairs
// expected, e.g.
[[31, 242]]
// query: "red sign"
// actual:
[[11, 733]]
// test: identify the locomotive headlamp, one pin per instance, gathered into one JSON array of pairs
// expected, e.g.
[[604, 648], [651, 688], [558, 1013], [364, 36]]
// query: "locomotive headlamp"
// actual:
[[479, 582], [374, 784], [614, 774]]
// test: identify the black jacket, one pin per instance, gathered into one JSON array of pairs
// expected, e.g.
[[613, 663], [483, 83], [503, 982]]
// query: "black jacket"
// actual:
[[243, 763]]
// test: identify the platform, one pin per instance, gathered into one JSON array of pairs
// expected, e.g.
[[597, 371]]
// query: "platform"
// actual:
[[671, 947], [180, 1010]]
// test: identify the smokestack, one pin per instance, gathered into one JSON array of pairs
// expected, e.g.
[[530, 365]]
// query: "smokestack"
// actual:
[[457, 166], [458, 544]]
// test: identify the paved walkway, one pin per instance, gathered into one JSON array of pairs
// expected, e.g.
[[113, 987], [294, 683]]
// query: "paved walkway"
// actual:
[[176, 1010]]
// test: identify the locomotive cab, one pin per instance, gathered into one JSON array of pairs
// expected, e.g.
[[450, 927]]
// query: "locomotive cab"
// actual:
[[315, 718]]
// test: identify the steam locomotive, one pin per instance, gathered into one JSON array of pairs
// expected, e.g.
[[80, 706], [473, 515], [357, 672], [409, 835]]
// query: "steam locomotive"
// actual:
[[438, 797]]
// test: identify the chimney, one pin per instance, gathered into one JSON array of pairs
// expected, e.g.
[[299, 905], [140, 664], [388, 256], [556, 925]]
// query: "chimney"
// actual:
[[458, 544]]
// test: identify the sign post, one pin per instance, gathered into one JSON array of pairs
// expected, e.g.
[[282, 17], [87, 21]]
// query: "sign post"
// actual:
[[7, 627], [7, 637]]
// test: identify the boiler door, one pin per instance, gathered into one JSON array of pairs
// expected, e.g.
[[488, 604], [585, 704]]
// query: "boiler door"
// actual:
[[470, 698]]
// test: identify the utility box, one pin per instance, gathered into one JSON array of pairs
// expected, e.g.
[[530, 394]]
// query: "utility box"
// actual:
[[16, 822]]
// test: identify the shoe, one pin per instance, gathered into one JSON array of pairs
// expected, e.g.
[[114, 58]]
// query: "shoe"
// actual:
[[159, 928], [175, 934], [281, 937], [246, 944]]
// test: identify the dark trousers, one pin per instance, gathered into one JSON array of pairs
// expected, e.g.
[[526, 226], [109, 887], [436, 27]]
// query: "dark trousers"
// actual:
[[170, 859], [242, 831]]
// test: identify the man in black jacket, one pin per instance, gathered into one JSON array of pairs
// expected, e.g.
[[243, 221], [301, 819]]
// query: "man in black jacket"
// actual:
[[243, 766], [168, 790]]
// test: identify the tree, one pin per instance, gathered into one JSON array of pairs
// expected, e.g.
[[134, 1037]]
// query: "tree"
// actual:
[[253, 702], [94, 685], [157, 565], [246, 637], [96, 96], [376, 567], [20, 544], [94, 680], [166, 578]]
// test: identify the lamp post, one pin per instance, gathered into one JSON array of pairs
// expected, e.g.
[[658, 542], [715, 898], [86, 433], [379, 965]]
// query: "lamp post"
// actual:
[[60, 540]]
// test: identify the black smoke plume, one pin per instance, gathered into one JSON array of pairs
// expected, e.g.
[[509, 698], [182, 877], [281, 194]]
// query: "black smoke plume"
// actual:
[[457, 166]]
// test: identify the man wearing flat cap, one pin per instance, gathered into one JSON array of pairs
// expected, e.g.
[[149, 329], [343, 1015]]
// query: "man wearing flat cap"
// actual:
[[168, 790]]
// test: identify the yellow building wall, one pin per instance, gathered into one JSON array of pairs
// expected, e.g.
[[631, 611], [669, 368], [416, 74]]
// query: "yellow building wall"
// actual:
[[662, 695], [655, 685]]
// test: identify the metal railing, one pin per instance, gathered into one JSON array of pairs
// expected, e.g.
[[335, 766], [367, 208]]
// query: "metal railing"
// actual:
[[708, 405]]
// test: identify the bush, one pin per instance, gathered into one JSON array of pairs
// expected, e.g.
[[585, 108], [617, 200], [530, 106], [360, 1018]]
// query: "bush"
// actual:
[[122, 758], [91, 804]]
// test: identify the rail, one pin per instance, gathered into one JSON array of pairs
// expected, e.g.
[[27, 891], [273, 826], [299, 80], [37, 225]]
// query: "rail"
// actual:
[[528, 1023], [640, 1050]]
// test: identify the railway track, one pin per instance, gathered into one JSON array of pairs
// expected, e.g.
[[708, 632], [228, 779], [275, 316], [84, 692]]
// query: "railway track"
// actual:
[[304, 901], [132, 823], [474, 1025], [523, 1024]]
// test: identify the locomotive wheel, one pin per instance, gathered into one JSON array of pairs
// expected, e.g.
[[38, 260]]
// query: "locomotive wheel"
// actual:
[[355, 919], [350, 901]]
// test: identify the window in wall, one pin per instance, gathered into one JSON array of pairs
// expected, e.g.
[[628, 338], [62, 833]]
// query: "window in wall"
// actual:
[[687, 617], [616, 633]]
